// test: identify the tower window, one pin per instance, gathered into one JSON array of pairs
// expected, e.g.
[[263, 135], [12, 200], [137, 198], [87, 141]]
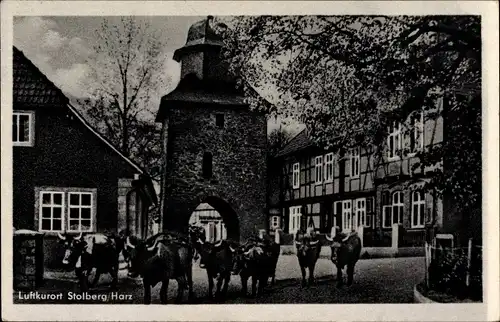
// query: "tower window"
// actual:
[[207, 165], [219, 120]]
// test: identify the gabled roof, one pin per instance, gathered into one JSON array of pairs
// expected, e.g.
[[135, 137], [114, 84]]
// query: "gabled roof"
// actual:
[[31, 86], [299, 142]]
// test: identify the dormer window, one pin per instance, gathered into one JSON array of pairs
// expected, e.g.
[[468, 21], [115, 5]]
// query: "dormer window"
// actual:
[[23, 128], [219, 120]]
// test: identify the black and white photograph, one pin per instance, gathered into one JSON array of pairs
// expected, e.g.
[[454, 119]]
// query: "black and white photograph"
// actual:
[[215, 159]]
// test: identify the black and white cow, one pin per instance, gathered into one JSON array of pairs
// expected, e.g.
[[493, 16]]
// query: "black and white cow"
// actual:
[[84, 253]]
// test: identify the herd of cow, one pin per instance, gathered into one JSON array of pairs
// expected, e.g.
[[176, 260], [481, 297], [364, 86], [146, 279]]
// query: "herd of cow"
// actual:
[[170, 255]]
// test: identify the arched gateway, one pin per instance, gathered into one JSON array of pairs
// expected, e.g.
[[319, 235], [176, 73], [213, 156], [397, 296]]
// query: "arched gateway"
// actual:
[[214, 147]]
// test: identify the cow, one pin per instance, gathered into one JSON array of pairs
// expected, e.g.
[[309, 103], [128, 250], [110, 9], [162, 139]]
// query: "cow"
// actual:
[[345, 251], [217, 259], [160, 258], [308, 250], [84, 253], [252, 260]]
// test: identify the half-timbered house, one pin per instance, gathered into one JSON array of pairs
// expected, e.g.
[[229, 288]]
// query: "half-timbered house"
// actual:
[[376, 188]]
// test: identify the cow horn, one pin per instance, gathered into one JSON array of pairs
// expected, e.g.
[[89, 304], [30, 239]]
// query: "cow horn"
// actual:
[[218, 243], [129, 244], [61, 236], [154, 246], [232, 249], [248, 252], [346, 238], [79, 236], [200, 241], [328, 237], [314, 242]]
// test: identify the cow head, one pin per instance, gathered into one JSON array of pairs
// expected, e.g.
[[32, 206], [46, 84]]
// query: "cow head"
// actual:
[[336, 240], [306, 244], [238, 260], [139, 252], [241, 256], [73, 248], [245, 254]]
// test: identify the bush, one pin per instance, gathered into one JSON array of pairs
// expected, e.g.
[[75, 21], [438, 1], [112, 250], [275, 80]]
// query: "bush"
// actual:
[[448, 271]]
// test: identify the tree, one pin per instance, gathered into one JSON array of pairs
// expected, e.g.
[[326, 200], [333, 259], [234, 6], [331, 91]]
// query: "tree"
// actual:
[[347, 78], [124, 87], [277, 139]]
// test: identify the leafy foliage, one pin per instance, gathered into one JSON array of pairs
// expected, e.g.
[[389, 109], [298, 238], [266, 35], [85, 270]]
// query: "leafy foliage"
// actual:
[[125, 85], [347, 78], [277, 139], [447, 273]]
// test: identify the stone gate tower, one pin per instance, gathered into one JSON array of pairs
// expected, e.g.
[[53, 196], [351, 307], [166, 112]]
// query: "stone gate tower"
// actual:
[[214, 147]]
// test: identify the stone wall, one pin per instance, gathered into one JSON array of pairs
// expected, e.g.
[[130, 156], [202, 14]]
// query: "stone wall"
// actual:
[[28, 260], [238, 184]]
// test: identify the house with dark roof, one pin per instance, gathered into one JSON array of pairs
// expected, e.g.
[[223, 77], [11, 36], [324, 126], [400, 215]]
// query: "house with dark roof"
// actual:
[[352, 187], [66, 176]]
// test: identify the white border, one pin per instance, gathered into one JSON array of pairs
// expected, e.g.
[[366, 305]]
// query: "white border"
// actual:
[[358, 312]]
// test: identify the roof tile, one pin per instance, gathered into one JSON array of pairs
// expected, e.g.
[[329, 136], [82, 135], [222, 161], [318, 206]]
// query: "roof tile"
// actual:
[[297, 143], [30, 85]]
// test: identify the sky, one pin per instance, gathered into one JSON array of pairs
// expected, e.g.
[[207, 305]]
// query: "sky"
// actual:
[[59, 47]]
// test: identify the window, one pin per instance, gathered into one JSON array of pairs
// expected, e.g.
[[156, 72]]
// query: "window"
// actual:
[[294, 221], [337, 212], [354, 162], [417, 132], [66, 209], [22, 129], [80, 211], [207, 165], [417, 209], [51, 211], [360, 212], [393, 213], [296, 175], [275, 222], [346, 215], [397, 207], [370, 206], [394, 141], [219, 120], [318, 161], [329, 167]]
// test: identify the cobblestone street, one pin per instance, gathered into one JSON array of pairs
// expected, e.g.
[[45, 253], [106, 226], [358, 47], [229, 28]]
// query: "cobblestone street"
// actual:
[[387, 280]]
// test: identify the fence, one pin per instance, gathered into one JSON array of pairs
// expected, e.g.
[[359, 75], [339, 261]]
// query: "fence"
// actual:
[[454, 270]]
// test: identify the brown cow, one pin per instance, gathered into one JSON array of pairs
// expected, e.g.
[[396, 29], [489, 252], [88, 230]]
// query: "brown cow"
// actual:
[[161, 258], [308, 250], [345, 251]]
